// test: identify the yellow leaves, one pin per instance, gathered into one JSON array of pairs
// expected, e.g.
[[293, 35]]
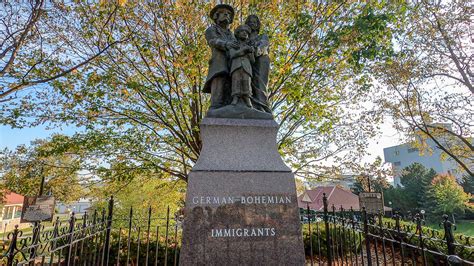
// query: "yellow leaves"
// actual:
[[284, 69], [121, 2], [118, 2], [77, 96]]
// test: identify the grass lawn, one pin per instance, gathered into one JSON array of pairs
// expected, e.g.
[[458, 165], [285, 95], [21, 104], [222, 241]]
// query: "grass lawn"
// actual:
[[464, 227]]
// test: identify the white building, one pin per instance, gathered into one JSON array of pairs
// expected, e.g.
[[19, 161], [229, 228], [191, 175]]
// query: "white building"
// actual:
[[403, 155], [345, 181], [78, 207]]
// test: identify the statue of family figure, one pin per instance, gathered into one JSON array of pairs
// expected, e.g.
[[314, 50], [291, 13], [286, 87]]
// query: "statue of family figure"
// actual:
[[238, 69]]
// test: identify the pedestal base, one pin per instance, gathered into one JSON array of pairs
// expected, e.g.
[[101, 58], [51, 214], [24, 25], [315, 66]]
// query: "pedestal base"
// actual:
[[241, 218], [241, 206]]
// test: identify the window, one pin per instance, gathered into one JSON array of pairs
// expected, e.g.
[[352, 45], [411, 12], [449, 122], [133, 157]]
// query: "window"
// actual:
[[410, 150], [397, 163], [397, 153], [17, 212], [7, 213]]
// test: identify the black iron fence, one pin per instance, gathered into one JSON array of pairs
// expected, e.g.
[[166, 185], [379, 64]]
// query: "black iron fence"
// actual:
[[332, 237], [345, 237], [97, 239]]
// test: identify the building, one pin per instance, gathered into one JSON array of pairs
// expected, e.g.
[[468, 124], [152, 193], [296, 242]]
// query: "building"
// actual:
[[336, 196], [403, 155], [78, 207], [345, 181], [11, 211]]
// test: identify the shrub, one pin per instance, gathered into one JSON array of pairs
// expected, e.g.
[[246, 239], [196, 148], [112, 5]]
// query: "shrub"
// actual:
[[340, 238]]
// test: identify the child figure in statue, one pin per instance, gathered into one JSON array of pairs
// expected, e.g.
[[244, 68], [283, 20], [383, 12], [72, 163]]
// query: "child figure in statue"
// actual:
[[242, 59]]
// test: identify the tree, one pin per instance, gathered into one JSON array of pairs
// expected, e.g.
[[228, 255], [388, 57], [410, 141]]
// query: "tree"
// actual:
[[428, 86], [413, 195], [468, 184], [23, 169], [40, 45], [142, 191], [447, 196], [416, 180], [141, 102], [300, 186], [374, 173]]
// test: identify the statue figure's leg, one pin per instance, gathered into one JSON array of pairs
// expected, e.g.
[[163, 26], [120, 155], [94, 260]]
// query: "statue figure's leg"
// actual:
[[246, 89], [235, 92], [217, 92], [259, 82]]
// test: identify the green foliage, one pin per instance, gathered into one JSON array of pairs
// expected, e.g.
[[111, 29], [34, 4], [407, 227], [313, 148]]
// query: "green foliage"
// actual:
[[352, 239], [427, 88], [24, 167], [143, 247], [144, 189], [374, 173], [447, 195], [468, 184], [141, 99], [412, 196], [434, 236], [416, 180]]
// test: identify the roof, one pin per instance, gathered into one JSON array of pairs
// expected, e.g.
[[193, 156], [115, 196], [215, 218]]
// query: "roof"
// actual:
[[10, 198], [336, 196]]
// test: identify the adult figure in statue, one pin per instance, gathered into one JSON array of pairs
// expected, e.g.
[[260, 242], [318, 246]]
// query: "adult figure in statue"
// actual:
[[220, 39], [261, 67]]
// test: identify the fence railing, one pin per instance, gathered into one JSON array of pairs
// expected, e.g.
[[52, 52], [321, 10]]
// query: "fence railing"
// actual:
[[344, 237], [94, 240], [332, 237]]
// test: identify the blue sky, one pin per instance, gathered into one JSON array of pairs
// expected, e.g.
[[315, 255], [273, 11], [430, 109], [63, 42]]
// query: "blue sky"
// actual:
[[10, 138]]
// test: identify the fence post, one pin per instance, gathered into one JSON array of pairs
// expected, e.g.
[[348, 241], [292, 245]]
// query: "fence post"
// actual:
[[334, 218], [400, 236], [352, 220], [148, 235], [448, 235], [11, 252], [367, 236], [310, 233], [166, 234], [334, 238], [419, 221], [326, 226], [129, 234], [83, 234], [175, 260], [35, 239], [343, 244], [71, 237], [109, 229]]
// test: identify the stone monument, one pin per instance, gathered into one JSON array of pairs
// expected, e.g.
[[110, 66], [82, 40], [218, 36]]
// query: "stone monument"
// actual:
[[241, 206]]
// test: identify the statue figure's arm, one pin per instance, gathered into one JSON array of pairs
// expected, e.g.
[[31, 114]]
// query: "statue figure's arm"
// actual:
[[252, 58], [263, 45], [237, 53], [214, 41]]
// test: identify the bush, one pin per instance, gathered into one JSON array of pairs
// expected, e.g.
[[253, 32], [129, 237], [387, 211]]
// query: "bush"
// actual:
[[340, 237], [143, 250]]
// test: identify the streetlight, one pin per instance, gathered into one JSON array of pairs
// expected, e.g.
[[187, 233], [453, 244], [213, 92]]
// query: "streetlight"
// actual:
[[391, 208]]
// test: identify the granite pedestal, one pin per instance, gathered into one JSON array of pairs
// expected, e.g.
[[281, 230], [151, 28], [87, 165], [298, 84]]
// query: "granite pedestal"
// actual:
[[241, 206]]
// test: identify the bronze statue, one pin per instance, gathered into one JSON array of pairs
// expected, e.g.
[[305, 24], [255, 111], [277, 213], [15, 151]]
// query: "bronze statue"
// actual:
[[239, 66], [220, 39], [261, 66]]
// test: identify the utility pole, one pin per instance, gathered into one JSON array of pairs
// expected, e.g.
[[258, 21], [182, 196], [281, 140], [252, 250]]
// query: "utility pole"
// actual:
[[368, 182]]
